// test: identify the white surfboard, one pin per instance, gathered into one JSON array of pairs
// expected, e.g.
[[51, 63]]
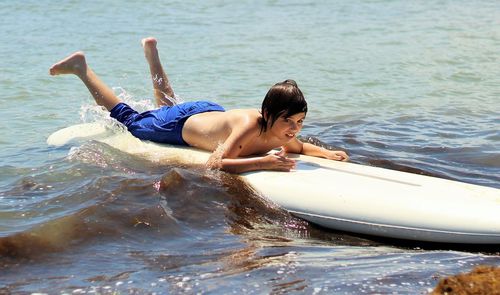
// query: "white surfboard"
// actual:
[[346, 196]]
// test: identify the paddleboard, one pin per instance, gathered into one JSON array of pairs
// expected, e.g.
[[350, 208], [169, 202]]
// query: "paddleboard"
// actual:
[[345, 196]]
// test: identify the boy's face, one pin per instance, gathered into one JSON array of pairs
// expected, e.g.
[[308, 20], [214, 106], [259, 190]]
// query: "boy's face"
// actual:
[[286, 128]]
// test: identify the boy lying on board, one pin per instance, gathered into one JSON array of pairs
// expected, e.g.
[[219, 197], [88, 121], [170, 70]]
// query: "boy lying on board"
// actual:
[[246, 134]]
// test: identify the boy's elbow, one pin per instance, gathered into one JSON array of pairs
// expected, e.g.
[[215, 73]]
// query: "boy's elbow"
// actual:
[[226, 166]]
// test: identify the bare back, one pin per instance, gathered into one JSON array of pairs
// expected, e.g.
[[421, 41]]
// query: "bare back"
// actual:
[[208, 130]]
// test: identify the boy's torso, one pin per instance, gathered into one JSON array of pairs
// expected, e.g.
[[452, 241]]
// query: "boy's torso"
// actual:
[[208, 130]]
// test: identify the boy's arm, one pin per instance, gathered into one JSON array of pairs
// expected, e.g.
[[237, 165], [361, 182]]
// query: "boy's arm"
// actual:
[[298, 147], [269, 162], [227, 157]]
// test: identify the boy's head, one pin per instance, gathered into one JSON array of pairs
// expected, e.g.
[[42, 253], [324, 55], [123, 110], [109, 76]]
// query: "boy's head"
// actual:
[[283, 99]]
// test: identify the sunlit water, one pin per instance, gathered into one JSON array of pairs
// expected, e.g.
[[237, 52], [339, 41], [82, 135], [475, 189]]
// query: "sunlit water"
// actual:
[[403, 85]]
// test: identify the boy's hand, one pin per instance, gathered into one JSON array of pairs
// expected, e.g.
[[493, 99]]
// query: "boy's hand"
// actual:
[[278, 161], [337, 156]]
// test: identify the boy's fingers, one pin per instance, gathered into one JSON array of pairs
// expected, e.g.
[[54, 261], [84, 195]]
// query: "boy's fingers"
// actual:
[[280, 153]]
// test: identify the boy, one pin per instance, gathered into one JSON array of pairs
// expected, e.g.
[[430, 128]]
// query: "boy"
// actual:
[[246, 135]]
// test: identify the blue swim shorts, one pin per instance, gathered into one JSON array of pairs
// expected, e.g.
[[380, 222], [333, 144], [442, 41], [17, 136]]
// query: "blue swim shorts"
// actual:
[[163, 125]]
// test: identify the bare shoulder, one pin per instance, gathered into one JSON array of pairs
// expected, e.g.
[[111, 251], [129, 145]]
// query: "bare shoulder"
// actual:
[[244, 118]]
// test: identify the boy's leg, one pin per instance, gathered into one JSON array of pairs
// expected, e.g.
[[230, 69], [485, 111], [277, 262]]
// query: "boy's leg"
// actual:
[[163, 92], [76, 64]]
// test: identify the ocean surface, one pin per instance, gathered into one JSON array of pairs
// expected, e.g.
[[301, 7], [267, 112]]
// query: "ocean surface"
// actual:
[[406, 85]]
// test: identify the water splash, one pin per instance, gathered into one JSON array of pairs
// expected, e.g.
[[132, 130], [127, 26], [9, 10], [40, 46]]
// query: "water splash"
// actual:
[[175, 99], [215, 160]]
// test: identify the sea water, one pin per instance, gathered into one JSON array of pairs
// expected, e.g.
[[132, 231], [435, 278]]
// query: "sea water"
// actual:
[[407, 85]]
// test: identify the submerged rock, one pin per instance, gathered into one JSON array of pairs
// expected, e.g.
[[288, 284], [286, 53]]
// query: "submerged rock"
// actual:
[[481, 280]]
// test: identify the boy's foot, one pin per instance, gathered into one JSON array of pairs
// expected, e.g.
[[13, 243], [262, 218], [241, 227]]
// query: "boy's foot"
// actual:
[[150, 51], [163, 92], [73, 64]]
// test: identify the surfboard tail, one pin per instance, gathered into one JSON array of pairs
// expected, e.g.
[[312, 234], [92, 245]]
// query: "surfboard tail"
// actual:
[[84, 131]]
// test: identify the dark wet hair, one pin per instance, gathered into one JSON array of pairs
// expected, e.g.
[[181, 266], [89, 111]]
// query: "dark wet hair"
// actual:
[[283, 99]]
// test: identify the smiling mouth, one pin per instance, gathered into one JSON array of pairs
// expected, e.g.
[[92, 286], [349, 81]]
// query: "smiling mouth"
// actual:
[[290, 134]]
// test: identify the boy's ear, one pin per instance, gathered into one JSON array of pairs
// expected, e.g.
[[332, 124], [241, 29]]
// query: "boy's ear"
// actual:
[[265, 115]]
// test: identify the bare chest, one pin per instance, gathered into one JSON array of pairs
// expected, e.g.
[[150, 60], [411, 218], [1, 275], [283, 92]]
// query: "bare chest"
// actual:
[[258, 146]]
